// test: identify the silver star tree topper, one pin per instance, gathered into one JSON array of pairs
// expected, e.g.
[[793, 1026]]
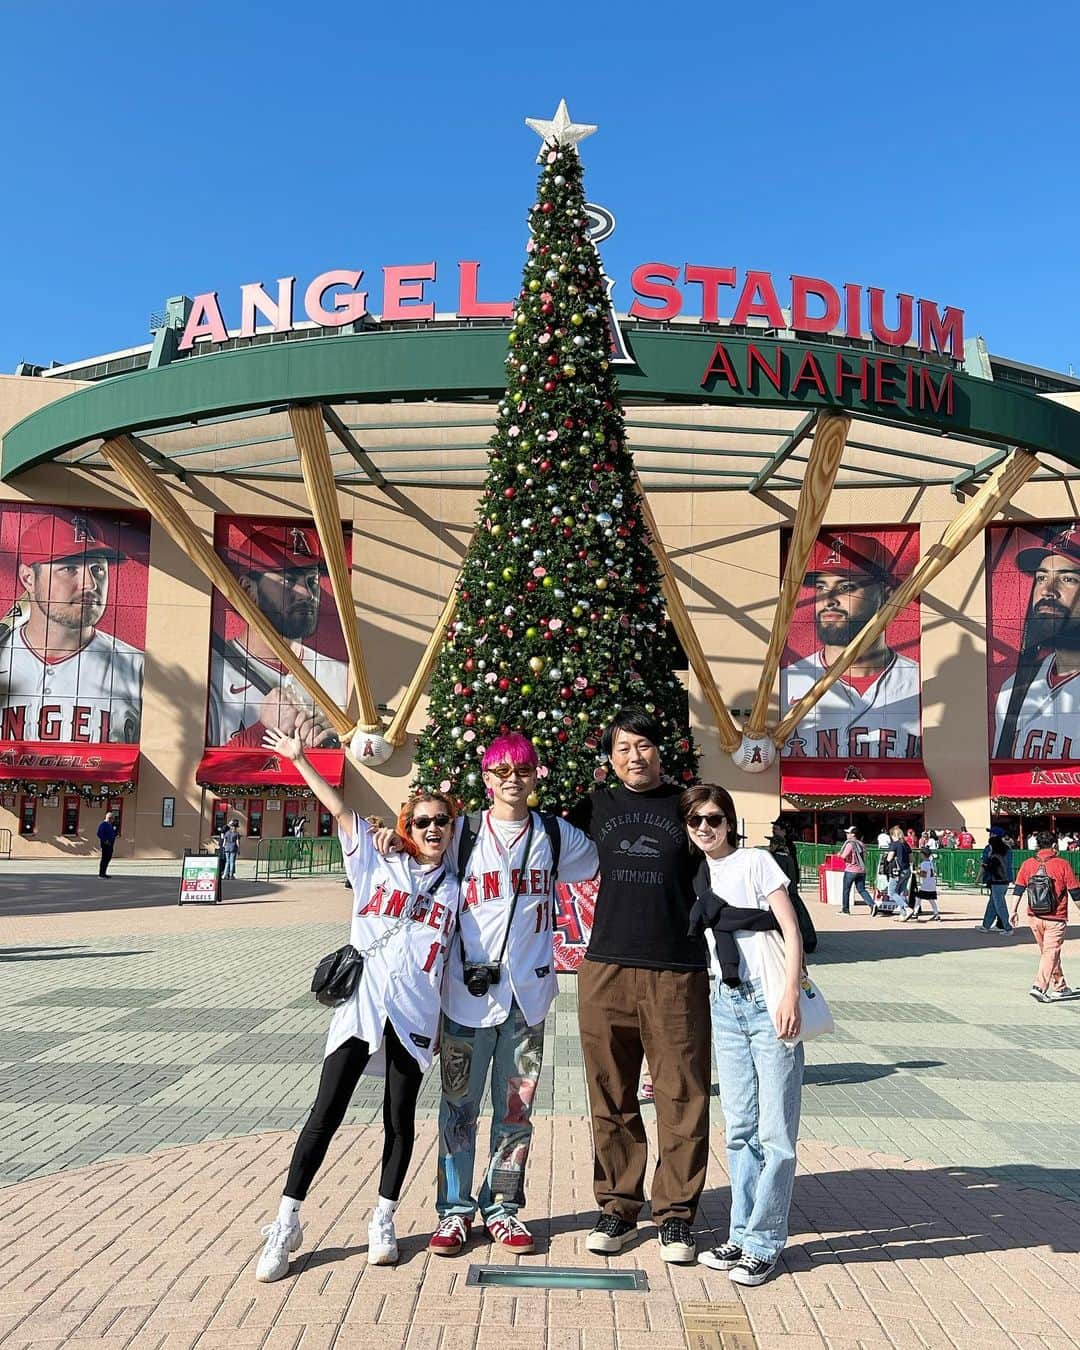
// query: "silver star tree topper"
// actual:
[[559, 131]]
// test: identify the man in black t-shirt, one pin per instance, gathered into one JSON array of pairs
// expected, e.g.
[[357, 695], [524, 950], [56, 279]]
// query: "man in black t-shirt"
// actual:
[[643, 990]]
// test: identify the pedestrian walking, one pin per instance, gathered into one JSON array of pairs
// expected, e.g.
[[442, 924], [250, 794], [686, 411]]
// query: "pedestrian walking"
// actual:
[[643, 989], [925, 887], [995, 874], [898, 870], [758, 1069], [106, 833], [854, 856], [499, 987], [230, 846], [1045, 883], [404, 914]]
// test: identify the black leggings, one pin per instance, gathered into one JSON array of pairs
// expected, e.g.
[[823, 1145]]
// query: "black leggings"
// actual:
[[340, 1074]]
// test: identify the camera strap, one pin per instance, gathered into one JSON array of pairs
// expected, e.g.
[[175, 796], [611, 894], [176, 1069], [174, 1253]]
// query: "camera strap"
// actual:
[[513, 904]]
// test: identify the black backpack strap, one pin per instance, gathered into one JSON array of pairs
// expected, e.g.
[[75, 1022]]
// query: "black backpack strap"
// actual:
[[470, 828], [554, 834]]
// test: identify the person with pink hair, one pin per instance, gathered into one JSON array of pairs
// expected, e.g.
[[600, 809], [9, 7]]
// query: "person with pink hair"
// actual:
[[499, 986]]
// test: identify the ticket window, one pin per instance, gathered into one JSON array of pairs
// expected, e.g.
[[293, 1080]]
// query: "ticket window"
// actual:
[[326, 823], [255, 818], [69, 821], [220, 818], [294, 811], [116, 806], [27, 815]]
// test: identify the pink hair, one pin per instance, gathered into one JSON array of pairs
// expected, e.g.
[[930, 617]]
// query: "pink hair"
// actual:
[[513, 748]]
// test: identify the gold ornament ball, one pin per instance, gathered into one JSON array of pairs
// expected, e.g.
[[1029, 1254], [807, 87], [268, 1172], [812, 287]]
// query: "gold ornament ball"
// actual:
[[536, 664], [577, 320], [601, 583], [532, 800], [548, 581]]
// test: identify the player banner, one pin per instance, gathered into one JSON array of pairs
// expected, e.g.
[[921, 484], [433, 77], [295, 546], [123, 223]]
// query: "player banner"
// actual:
[[574, 909], [280, 565], [875, 710], [1033, 641], [73, 633]]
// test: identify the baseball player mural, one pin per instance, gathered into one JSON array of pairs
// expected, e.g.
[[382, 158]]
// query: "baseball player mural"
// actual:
[[874, 711], [71, 658], [280, 564], [1033, 613]]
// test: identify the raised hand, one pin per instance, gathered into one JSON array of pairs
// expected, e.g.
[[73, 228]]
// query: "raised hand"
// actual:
[[288, 747]]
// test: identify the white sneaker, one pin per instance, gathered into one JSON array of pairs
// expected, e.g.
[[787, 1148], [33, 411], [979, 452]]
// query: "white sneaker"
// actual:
[[280, 1241], [382, 1248]]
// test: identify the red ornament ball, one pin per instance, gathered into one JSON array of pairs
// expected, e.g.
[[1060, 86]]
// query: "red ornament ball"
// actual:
[[549, 386], [509, 493]]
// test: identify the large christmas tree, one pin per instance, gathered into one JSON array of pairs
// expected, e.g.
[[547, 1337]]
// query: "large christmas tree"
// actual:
[[560, 618]]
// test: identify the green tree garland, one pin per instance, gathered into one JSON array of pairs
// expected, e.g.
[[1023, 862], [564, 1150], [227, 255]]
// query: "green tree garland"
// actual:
[[560, 617]]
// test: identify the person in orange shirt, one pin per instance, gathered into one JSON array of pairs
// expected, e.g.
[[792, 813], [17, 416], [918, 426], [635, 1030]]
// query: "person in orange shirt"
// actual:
[[1048, 927]]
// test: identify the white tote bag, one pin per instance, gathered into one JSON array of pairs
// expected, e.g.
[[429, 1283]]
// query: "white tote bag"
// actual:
[[814, 1015]]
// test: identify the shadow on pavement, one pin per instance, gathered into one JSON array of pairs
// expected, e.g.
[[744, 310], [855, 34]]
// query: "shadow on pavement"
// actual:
[[26, 894], [893, 941], [838, 1075]]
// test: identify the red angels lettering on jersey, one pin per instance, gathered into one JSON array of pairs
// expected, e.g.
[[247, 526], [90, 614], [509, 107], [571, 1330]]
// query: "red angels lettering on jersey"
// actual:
[[481, 889], [420, 908]]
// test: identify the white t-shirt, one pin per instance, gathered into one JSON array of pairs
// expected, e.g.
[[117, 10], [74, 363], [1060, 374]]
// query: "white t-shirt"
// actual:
[[927, 876], [745, 878], [487, 890], [883, 840], [402, 981]]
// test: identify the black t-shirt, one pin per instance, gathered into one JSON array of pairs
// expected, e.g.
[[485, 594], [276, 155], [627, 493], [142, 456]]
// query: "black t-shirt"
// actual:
[[646, 879]]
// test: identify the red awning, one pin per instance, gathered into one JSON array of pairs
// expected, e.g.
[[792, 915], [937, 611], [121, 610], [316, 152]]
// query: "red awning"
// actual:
[[1034, 781], [222, 767], [50, 762], [835, 778]]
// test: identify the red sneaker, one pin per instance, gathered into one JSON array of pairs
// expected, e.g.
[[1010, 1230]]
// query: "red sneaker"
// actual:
[[451, 1235], [510, 1232]]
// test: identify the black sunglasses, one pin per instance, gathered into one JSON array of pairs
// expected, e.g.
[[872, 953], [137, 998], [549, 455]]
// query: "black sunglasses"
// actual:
[[422, 822], [714, 820]]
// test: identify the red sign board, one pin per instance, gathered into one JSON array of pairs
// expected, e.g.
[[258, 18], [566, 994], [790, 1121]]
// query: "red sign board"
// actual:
[[47, 761], [236, 768]]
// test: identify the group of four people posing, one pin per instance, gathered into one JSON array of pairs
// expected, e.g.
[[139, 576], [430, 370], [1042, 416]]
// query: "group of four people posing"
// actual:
[[455, 917]]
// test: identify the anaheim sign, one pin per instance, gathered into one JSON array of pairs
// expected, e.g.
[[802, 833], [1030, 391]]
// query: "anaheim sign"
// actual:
[[661, 292]]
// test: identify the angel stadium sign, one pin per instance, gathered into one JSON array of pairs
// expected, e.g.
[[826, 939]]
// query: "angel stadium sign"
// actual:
[[804, 305]]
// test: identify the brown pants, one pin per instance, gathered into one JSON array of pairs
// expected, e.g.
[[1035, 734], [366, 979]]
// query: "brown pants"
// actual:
[[626, 1014]]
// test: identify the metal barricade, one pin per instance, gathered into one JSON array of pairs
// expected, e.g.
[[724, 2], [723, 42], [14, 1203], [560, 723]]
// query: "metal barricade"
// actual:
[[290, 857]]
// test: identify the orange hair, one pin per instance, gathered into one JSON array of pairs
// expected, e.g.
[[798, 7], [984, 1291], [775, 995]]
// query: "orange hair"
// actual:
[[408, 810]]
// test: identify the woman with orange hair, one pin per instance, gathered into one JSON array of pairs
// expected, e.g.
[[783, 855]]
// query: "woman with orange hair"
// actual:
[[405, 909]]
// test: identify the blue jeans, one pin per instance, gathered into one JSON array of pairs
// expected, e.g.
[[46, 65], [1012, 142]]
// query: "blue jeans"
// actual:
[[997, 908], [898, 888], [858, 880], [761, 1093], [513, 1052], [230, 864]]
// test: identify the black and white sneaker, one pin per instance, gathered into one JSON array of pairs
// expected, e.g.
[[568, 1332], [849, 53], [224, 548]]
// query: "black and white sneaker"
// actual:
[[725, 1257], [611, 1234], [676, 1241], [1039, 995], [750, 1270]]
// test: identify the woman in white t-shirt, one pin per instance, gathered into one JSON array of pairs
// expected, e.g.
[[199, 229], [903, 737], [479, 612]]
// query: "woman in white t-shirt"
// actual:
[[405, 909], [927, 888], [760, 1075]]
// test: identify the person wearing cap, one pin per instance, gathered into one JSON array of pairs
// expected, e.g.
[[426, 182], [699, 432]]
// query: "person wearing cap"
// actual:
[[61, 678], [874, 710], [995, 874], [854, 856], [1037, 714], [230, 846], [280, 567]]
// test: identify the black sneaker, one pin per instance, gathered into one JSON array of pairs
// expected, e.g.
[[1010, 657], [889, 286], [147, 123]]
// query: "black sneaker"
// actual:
[[677, 1241], [751, 1271], [725, 1257], [611, 1234]]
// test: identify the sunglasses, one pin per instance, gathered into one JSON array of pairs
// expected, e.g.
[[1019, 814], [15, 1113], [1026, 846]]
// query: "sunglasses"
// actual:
[[714, 820], [504, 771], [422, 822]]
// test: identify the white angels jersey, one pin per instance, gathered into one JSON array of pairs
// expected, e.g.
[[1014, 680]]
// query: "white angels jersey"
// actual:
[[87, 697], [402, 980], [883, 721], [1049, 723], [239, 681], [487, 891]]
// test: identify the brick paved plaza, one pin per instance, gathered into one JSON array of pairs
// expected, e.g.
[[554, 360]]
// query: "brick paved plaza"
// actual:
[[155, 1061]]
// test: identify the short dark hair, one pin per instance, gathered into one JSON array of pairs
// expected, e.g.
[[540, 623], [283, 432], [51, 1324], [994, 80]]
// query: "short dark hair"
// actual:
[[1046, 839], [693, 799], [637, 722]]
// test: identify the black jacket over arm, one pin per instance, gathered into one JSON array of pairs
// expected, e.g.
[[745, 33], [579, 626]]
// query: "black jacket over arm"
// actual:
[[709, 911]]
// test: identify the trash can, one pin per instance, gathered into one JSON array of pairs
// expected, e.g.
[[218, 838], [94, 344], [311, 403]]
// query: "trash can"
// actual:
[[831, 881]]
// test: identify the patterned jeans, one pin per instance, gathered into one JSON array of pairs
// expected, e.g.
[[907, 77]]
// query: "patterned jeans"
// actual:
[[513, 1052]]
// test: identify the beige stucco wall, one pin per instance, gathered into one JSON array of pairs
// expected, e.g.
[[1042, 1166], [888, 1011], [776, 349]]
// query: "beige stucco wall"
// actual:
[[408, 544]]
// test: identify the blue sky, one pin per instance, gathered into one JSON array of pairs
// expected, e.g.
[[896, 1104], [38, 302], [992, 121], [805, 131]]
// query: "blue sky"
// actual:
[[153, 150]]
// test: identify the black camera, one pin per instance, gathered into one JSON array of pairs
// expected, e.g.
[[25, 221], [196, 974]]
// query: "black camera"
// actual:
[[479, 978]]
